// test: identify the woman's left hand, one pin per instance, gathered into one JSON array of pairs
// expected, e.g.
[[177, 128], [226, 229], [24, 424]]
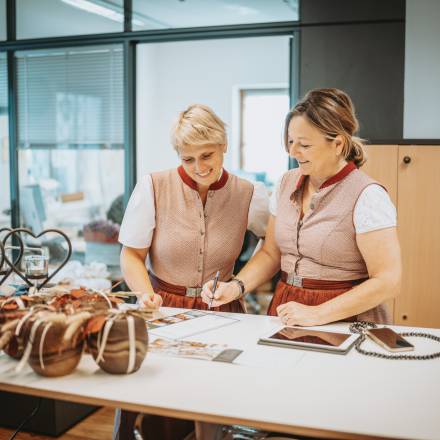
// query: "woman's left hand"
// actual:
[[293, 313], [151, 301]]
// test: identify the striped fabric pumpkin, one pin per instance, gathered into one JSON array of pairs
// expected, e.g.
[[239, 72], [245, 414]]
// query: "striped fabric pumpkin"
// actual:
[[53, 342], [10, 342], [118, 341]]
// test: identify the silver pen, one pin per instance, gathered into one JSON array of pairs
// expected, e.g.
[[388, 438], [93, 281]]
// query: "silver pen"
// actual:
[[214, 287]]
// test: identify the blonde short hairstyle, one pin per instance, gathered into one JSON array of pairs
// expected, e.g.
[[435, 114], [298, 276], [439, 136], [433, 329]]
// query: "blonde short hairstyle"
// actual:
[[198, 125]]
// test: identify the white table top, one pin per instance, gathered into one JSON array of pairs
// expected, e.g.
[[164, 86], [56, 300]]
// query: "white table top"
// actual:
[[279, 389]]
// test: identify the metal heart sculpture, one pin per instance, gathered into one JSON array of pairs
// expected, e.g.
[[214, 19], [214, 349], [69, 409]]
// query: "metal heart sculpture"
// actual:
[[2, 255], [19, 231], [7, 272]]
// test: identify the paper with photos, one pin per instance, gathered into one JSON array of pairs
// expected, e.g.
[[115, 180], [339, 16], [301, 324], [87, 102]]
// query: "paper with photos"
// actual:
[[188, 323], [188, 349]]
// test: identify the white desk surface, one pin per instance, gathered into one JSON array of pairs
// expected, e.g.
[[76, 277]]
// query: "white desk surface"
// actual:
[[280, 389]]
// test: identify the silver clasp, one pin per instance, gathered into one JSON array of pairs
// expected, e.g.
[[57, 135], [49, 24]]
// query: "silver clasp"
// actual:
[[193, 292], [294, 280]]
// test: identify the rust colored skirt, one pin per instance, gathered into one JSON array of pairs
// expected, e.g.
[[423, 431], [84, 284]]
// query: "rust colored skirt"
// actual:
[[313, 297]]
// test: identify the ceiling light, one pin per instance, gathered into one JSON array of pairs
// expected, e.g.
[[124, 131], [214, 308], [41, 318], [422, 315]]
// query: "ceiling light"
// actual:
[[94, 8], [114, 12]]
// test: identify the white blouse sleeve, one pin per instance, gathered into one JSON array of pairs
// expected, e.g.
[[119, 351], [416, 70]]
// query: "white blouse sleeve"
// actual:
[[374, 210], [258, 210], [274, 198], [140, 216]]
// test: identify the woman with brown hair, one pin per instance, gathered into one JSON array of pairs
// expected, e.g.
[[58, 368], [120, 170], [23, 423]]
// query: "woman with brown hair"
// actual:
[[332, 230], [184, 225]]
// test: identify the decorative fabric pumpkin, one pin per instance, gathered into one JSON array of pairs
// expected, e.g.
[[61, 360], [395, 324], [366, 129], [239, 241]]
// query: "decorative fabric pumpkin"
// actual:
[[118, 341], [9, 341], [54, 342]]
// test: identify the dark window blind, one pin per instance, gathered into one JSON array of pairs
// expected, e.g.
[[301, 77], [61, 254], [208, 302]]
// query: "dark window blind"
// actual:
[[71, 98]]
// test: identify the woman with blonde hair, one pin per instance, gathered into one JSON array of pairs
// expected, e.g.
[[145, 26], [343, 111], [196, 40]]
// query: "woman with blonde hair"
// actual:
[[332, 229], [189, 222]]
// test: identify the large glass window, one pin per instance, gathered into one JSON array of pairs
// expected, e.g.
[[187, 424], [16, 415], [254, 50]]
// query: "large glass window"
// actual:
[[168, 14], [2, 20], [56, 18], [215, 72], [70, 136], [5, 206], [262, 112]]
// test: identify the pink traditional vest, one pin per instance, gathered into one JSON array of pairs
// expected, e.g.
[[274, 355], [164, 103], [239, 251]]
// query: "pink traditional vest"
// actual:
[[191, 242], [322, 245]]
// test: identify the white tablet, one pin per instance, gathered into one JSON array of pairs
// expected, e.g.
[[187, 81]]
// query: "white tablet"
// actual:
[[303, 338]]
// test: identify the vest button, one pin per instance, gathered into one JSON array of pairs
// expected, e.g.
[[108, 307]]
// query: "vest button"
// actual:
[[202, 232], [312, 206], [199, 269]]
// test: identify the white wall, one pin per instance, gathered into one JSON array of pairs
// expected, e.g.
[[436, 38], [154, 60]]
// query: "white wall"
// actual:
[[171, 76], [422, 70]]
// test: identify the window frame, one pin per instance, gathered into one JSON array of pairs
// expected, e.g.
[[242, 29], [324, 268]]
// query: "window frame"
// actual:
[[129, 39], [238, 112]]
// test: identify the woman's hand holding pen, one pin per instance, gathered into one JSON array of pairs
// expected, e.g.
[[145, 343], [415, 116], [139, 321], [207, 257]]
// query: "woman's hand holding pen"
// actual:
[[224, 293], [150, 300]]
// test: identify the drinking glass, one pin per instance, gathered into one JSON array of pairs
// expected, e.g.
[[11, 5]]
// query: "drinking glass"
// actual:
[[36, 268]]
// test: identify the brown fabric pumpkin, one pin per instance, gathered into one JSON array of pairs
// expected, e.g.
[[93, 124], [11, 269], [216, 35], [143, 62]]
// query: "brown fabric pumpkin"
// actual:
[[53, 356], [118, 341], [53, 342], [11, 343]]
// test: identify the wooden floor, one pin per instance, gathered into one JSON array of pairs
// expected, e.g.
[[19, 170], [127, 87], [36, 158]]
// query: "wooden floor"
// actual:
[[98, 426]]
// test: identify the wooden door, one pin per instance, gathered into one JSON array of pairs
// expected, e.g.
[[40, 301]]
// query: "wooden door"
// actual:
[[419, 232], [381, 165]]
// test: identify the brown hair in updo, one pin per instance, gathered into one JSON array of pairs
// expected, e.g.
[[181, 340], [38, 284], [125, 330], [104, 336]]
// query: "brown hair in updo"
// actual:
[[332, 112]]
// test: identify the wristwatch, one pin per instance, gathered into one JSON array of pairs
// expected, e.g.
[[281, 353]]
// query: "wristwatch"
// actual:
[[241, 285]]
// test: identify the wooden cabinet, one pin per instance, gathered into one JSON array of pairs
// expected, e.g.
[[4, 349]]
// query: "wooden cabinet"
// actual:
[[381, 165], [412, 176], [419, 231]]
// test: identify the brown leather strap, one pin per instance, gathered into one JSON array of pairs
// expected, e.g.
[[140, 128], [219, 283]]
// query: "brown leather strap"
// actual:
[[159, 284], [308, 283]]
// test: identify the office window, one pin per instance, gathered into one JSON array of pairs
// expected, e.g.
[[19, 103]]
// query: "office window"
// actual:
[[56, 18], [261, 151], [168, 14], [71, 98], [5, 204], [2, 20], [70, 136], [163, 92]]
